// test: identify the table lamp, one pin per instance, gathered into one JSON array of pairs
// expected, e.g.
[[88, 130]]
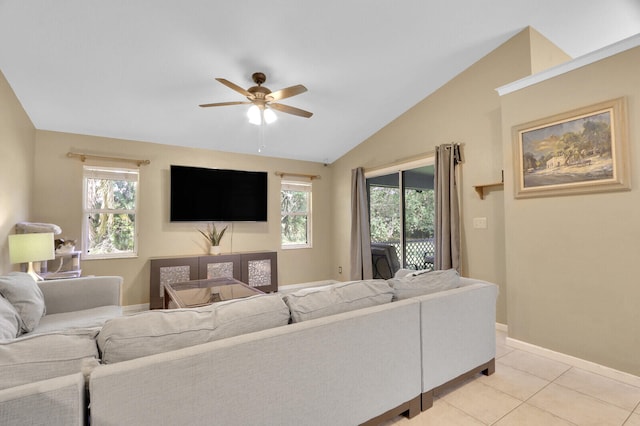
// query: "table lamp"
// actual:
[[31, 248]]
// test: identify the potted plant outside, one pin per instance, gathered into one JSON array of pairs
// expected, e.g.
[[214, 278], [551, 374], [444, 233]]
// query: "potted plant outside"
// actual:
[[213, 237]]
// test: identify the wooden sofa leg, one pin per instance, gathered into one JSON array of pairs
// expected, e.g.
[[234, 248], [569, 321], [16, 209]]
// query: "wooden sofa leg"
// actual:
[[427, 400], [491, 368], [415, 407], [410, 409], [487, 369]]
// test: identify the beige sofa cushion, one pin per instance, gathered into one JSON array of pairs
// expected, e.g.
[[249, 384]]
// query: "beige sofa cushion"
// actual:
[[86, 318], [9, 320], [424, 283], [333, 299], [43, 356], [25, 295], [159, 331]]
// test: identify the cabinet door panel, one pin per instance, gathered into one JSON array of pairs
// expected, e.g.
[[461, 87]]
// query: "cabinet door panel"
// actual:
[[168, 271], [226, 265], [260, 270]]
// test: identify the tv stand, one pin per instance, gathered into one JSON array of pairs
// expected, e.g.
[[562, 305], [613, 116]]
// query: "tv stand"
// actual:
[[257, 269]]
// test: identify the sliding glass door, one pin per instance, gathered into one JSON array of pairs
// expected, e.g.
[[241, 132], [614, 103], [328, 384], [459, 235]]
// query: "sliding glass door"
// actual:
[[402, 213]]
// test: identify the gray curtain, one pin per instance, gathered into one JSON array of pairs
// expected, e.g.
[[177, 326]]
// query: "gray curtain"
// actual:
[[361, 268], [447, 211]]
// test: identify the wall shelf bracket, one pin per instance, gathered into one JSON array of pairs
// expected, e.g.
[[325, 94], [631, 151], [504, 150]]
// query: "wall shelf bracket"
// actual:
[[480, 189]]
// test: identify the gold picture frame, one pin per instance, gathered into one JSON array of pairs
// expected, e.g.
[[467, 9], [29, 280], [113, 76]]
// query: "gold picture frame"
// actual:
[[577, 152]]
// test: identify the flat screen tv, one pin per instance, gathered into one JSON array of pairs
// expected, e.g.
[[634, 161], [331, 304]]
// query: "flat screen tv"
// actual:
[[201, 194]]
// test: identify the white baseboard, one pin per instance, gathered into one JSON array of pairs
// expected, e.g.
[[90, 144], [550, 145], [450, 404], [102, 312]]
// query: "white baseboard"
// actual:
[[502, 327], [592, 367], [132, 309]]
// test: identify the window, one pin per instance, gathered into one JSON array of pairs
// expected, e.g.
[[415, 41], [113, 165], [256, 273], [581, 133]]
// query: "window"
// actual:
[[110, 206], [295, 214], [402, 211]]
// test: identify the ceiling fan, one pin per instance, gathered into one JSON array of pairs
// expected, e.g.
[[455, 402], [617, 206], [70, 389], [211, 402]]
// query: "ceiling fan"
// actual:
[[263, 100]]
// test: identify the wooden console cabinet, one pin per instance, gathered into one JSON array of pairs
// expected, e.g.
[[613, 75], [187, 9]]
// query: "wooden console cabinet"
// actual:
[[258, 269]]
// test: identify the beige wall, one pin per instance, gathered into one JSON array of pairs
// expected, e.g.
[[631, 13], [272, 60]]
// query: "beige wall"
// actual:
[[571, 260], [17, 140], [58, 196], [568, 261], [465, 110]]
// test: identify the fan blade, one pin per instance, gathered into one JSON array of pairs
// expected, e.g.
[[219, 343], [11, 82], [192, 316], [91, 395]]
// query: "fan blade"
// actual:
[[286, 93], [225, 104], [236, 88], [291, 110]]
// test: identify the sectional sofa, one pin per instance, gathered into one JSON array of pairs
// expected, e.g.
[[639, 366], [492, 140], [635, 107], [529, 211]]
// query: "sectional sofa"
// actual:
[[339, 354], [41, 370]]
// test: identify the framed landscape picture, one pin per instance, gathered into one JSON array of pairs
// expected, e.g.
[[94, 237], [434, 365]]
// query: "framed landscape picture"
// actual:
[[577, 152]]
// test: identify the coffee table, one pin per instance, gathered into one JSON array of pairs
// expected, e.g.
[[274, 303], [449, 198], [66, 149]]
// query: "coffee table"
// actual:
[[191, 294]]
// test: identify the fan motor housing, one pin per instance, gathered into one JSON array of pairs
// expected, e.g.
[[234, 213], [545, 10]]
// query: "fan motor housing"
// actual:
[[259, 92]]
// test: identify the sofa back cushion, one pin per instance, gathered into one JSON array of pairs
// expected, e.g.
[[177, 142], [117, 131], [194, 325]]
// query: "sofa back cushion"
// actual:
[[37, 357], [25, 295], [333, 299], [424, 283], [9, 320], [159, 331]]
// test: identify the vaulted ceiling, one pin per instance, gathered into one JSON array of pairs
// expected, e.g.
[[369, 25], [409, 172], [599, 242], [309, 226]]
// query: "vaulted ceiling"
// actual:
[[138, 69]]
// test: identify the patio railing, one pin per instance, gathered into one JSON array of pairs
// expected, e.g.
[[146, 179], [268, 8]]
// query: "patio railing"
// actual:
[[420, 252]]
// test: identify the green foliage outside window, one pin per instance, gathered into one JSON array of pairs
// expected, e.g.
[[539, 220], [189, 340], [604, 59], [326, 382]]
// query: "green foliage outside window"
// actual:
[[384, 205], [110, 205], [294, 207]]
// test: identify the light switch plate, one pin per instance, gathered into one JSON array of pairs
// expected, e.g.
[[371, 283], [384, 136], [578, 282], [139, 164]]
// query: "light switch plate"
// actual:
[[480, 222]]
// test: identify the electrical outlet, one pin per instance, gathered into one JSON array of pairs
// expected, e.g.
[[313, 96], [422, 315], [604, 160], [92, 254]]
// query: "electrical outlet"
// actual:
[[339, 269]]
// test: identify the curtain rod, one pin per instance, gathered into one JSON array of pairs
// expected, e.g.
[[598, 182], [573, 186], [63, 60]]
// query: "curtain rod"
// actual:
[[84, 157], [401, 162], [311, 177]]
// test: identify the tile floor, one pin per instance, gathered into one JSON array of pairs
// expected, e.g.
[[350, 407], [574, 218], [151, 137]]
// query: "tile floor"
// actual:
[[529, 389]]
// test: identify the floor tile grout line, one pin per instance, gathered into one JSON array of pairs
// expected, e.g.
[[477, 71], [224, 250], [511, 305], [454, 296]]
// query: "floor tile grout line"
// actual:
[[546, 386], [535, 375], [570, 388], [570, 365], [478, 377], [627, 419], [595, 397], [549, 382], [463, 411]]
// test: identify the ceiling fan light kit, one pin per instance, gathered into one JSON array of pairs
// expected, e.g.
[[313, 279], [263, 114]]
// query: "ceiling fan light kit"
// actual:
[[269, 116], [258, 115], [263, 100]]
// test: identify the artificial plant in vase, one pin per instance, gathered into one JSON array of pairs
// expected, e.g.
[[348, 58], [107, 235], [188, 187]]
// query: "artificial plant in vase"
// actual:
[[213, 237]]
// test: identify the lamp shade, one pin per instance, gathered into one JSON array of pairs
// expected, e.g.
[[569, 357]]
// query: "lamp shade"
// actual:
[[31, 247], [269, 116], [254, 114]]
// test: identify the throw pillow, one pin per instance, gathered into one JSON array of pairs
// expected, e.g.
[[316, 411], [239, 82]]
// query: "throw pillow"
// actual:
[[25, 295], [333, 299], [9, 320], [424, 283]]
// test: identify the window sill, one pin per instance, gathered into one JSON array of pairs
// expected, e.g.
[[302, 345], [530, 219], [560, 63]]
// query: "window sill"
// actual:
[[296, 246], [108, 257]]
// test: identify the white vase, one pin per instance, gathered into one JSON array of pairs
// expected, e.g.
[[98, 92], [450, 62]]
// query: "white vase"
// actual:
[[214, 250]]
